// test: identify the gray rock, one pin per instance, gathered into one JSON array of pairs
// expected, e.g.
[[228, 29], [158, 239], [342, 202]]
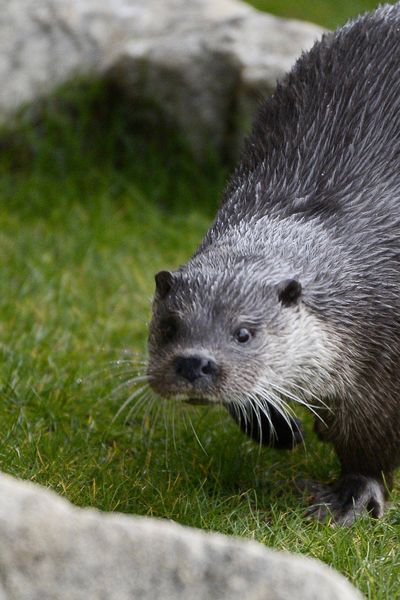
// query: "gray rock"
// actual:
[[51, 550], [206, 63]]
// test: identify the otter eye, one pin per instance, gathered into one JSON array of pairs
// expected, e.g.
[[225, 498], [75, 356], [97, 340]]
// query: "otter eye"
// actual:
[[168, 329], [242, 335]]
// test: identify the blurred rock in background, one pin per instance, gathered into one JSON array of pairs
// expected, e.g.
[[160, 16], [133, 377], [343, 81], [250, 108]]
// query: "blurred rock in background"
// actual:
[[205, 63]]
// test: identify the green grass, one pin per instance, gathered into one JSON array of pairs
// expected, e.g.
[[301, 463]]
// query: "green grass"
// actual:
[[94, 199], [328, 13]]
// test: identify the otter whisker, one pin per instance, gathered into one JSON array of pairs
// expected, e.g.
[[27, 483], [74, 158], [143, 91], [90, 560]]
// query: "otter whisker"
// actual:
[[317, 398], [152, 421], [242, 411], [306, 391], [130, 373], [195, 434], [282, 408], [239, 411], [173, 426], [166, 437], [109, 375], [290, 411], [295, 398], [149, 402], [138, 405], [116, 362], [256, 409], [238, 404], [122, 361], [117, 359], [140, 402], [280, 404], [111, 371], [276, 402], [131, 397], [130, 382], [244, 403], [265, 411]]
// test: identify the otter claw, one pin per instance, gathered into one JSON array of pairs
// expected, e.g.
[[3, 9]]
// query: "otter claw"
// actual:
[[347, 499]]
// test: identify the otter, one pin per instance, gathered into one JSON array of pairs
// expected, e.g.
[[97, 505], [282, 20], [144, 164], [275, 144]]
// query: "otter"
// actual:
[[294, 293]]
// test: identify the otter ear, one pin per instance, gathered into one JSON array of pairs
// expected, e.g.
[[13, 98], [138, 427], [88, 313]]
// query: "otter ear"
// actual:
[[164, 281], [289, 291]]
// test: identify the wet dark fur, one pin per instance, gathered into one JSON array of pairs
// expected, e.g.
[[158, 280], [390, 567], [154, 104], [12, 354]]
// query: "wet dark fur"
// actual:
[[330, 135], [325, 153]]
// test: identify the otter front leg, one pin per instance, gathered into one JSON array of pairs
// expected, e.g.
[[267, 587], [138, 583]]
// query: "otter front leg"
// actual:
[[275, 431], [348, 498]]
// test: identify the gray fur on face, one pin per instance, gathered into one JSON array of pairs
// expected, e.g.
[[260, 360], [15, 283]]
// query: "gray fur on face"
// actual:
[[315, 199], [234, 283]]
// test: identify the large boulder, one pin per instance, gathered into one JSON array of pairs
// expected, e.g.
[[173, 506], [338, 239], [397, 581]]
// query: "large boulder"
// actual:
[[205, 63], [50, 550]]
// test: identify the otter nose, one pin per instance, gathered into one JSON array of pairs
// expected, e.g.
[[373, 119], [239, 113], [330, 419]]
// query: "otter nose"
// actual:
[[195, 367]]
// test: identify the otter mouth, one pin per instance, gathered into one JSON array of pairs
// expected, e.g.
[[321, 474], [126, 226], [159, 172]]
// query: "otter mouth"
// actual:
[[191, 400], [197, 401]]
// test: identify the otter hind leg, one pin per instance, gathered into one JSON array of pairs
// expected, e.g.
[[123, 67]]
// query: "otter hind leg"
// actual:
[[275, 431], [345, 500]]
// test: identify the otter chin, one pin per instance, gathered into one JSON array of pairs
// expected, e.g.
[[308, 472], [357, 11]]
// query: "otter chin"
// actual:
[[292, 296]]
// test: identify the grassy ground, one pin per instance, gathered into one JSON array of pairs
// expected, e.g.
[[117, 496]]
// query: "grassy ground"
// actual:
[[328, 13], [91, 206]]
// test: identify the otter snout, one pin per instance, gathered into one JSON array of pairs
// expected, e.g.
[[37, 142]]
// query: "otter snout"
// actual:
[[195, 367]]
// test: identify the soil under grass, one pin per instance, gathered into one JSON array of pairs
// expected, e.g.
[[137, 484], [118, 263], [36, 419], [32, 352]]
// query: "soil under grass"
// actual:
[[91, 205]]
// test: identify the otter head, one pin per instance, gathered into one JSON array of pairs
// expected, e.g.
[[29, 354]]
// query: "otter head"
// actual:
[[226, 330]]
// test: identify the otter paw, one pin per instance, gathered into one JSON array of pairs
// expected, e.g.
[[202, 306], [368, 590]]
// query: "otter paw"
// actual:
[[347, 499]]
